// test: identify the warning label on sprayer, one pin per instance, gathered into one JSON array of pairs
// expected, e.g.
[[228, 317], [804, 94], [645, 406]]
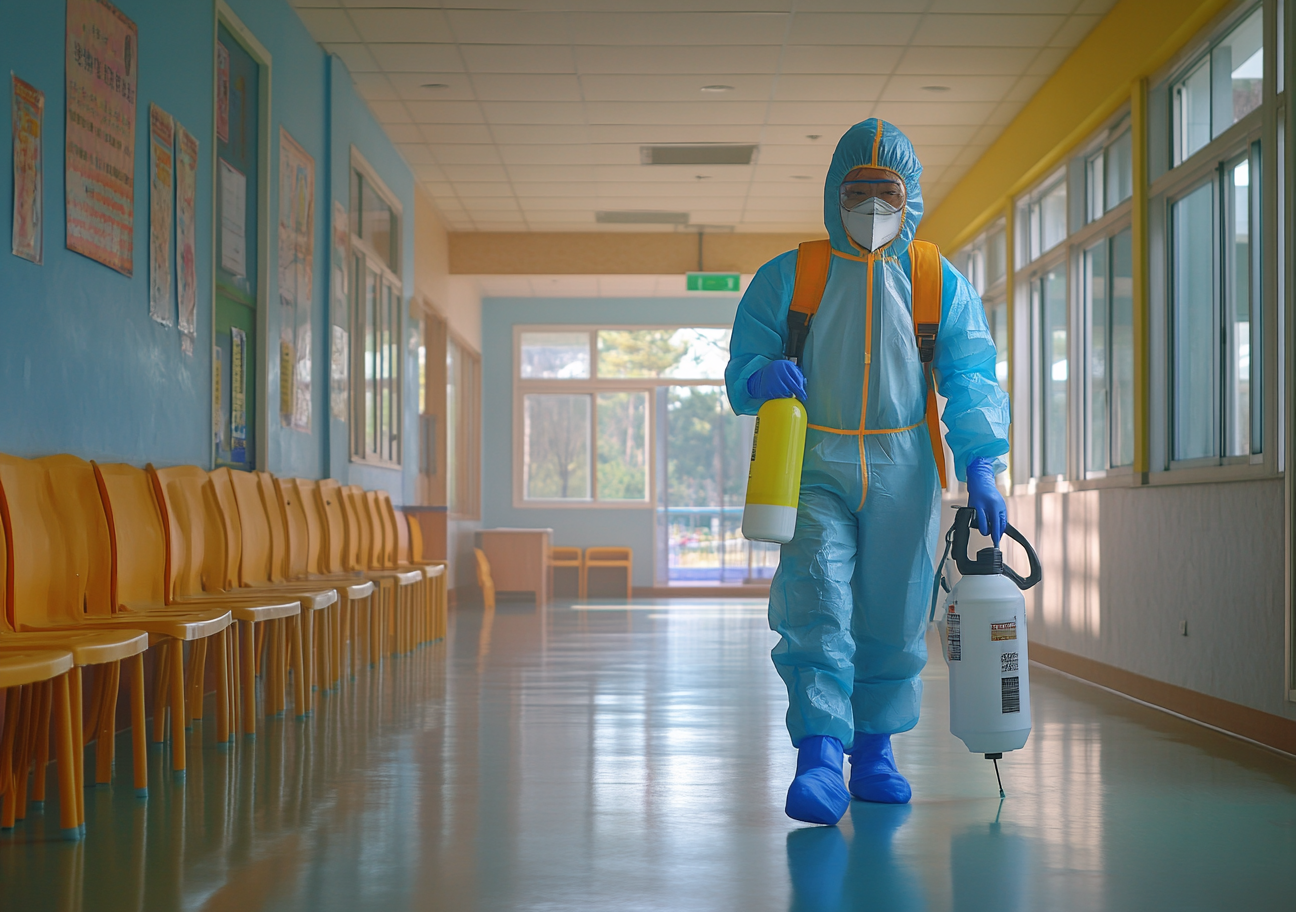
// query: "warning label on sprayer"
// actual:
[[1006, 630], [954, 636]]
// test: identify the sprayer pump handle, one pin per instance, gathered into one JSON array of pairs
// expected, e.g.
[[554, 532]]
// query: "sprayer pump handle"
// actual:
[[989, 560]]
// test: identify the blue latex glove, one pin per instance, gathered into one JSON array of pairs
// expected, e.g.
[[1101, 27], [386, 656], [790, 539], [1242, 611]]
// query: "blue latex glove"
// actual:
[[992, 512], [777, 380]]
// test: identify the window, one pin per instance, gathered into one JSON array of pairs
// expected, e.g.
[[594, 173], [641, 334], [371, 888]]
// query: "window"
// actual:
[[585, 397], [1108, 294], [984, 263], [1042, 220], [463, 430], [1109, 174], [377, 306], [1049, 304], [1215, 331], [1220, 89]]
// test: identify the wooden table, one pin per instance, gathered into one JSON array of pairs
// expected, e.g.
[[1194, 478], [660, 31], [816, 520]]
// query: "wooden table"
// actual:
[[519, 559]]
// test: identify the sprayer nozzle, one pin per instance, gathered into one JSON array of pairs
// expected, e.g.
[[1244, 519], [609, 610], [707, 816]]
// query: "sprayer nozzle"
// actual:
[[995, 758]]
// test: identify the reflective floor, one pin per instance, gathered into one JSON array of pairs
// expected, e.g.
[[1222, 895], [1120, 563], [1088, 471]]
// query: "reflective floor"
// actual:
[[614, 758]]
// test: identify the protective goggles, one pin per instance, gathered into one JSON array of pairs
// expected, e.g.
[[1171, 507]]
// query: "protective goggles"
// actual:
[[889, 190]]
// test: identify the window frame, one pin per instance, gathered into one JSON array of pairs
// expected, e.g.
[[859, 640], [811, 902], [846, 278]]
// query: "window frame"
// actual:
[[363, 259], [592, 386], [463, 490]]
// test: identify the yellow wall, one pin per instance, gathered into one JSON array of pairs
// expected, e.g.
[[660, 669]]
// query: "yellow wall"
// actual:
[[1129, 44], [455, 299]]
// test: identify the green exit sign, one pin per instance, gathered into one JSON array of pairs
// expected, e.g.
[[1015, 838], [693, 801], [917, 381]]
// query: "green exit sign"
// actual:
[[712, 281]]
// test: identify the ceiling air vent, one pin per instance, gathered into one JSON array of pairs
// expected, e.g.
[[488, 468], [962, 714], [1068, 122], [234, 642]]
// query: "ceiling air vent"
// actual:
[[642, 217], [706, 154]]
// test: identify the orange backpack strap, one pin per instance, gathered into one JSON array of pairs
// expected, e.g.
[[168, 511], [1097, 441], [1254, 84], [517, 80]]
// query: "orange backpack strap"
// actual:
[[813, 260], [926, 275]]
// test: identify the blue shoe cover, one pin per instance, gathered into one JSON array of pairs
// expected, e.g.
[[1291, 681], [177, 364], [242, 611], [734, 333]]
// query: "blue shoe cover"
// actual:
[[874, 776], [817, 794]]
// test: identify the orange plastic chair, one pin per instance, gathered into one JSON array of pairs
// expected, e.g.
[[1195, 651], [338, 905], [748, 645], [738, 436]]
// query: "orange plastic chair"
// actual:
[[560, 557], [366, 549], [37, 684], [596, 558], [57, 583], [197, 568], [427, 621], [440, 586], [484, 580]]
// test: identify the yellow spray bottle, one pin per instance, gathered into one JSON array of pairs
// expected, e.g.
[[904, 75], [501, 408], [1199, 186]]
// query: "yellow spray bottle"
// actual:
[[774, 479]]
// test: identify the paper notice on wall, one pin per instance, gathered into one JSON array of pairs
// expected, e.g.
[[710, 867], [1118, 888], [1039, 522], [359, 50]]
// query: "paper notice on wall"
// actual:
[[296, 276], [218, 405], [161, 212], [102, 66], [28, 178], [285, 382], [186, 233], [222, 92], [339, 358], [233, 214], [238, 392]]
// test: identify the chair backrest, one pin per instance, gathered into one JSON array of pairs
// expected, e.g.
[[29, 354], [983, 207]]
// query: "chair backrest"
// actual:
[[295, 525], [254, 523], [565, 553], [380, 549], [81, 516], [606, 555], [484, 579], [194, 528], [43, 586], [139, 541], [397, 529], [415, 537], [328, 494], [231, 524], [316, 534], [278, 527], [359, 506]]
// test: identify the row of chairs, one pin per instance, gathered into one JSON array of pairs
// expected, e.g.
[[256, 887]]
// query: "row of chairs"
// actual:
[[239, 577], [591, 559]]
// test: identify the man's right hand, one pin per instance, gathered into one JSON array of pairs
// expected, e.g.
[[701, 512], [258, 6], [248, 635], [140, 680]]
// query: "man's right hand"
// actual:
[[777, 380]]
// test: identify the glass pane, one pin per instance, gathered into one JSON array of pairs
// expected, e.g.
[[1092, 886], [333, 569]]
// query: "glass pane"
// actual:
[[997, 314], [1238, 67], [556, 355], [622, 446], [1054, 381], [1096, 396], [555, 450], [370, 361], [689, 353], [1120, 170], [1120, 359], [376, 223], [1192, 109], [1237, 304], [453, 394], [996, 257], [1034, 232], [354, 214], [1094, 188], [1194, 334], [1053, 221]]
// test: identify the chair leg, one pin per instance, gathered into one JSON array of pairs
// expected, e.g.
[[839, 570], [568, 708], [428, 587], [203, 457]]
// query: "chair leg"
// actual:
[[42, 739], [107, 728], [236, 691], [222, 688], [11, 761], [64, 746], [177, 706], [78, 742], [302, 684], [197, 682], [161, 679], [247, 654], [138, 730], [23, 751]]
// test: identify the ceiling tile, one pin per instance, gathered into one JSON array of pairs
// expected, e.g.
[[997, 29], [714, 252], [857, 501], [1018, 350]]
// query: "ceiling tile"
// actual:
[[556, 203], [327, 25], [797, 112], [987, 31], [402, 25], [705, 29], [675, 133], [605, 87], [520, 112], [934, 113], [684, 112], [504, 286], [492, 204], [1025, 88], [390, 111], [1047, 60], [529, 190], [439, 188], [412, 86], [966, 61], [439, 112], [829, 88], [403, 133], [465, 154], [1074, 31], [475, 173], [546, 173], [417, 58], [958, 88], [886, 29], [804, 155], [477, 187], [1094, 7], [526, 87], [374, 87], [428, 173], [416, 153], [512, 225], [540, 133], [937, 155], [796, 134], [1057, 7], [356, 56], [669, 60], [508, 26], [456, 133], [549, 154], [513, 58], [854, 60], [939, 134]]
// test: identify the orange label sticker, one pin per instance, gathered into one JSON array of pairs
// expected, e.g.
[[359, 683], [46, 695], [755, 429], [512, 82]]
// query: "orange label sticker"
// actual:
[[1004, 631]]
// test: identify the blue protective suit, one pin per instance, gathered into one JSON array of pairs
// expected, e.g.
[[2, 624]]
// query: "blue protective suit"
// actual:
[[849, 599]]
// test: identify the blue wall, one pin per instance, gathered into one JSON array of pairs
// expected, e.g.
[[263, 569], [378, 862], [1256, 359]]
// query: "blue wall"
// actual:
[[83, 368], [573, 526]]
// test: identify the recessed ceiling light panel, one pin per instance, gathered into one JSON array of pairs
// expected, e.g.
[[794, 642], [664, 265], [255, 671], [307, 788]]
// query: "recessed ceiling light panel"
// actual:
[[717, 88], [641, 217], [705, 154]]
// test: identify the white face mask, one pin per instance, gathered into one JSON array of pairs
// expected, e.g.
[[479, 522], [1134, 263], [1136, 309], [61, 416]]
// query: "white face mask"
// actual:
[[872, 224]]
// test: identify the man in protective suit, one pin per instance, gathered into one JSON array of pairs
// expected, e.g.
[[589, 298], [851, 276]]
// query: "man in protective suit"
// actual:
[[850, 598]]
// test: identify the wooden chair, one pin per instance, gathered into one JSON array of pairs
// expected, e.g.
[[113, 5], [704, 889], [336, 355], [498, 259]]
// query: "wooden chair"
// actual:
[[596, 558], [484, 581], [427, 622], [37, 683], [367, 550], [561, 557], [441, 618]]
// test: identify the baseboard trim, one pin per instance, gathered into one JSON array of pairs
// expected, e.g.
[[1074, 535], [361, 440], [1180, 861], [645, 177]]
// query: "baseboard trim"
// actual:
[[1263, 728]]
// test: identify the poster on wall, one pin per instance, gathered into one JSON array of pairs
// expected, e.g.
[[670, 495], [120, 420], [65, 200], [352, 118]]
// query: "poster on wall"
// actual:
[[161, 212], [222, 92], [339, 317], [296, 278], [186, 235], [218, 403], [28, 180], [233, 211], [238, 403], [99, 181]]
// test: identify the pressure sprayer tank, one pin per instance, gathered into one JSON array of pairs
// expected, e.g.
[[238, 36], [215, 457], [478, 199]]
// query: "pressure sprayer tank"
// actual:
[[983, 629], [774, 478]]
